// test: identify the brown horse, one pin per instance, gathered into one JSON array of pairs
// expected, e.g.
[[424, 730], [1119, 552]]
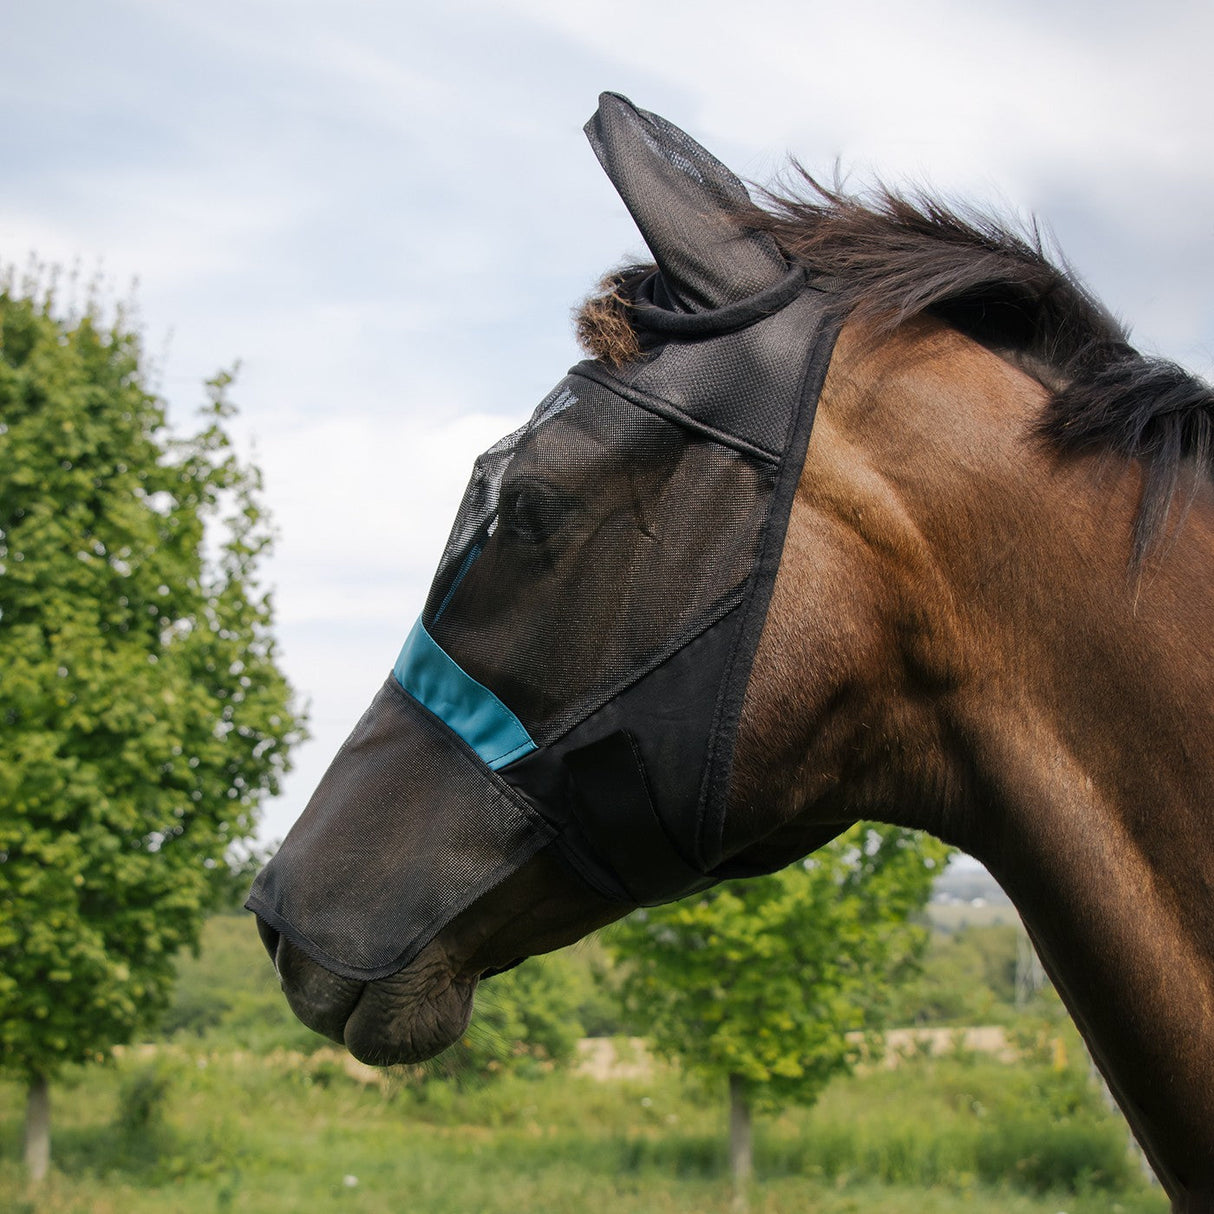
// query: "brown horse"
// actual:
[[992, 620]]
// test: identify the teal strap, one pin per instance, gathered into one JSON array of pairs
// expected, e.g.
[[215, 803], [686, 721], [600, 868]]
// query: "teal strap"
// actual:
[[431, 677]]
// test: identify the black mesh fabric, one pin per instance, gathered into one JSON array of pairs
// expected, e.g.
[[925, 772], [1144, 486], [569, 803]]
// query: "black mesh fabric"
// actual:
[[762, 374], [618, 536], [683, 199], [372, 869], [478, 510]]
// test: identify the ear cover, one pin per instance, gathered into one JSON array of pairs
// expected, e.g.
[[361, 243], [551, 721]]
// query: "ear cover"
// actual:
[[685, 203]]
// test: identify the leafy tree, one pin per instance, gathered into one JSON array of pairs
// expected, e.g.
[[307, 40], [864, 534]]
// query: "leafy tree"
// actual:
[[757, 982], [143, 716], [967, 976], [233, 873]]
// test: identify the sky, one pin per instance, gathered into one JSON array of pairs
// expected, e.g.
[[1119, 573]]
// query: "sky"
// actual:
[[385, 212]]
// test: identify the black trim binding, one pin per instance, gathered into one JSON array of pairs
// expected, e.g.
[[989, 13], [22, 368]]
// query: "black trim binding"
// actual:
[[671, 412], [716, 321], [718, 770]]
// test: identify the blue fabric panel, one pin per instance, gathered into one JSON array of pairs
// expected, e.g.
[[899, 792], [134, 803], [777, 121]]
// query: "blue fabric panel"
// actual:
[[426, 672]]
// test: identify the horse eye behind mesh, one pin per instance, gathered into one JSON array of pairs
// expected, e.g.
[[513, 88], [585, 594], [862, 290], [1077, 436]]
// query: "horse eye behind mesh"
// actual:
[[533, 513]]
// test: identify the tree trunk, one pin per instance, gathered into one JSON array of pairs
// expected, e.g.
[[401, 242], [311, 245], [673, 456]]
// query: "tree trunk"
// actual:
[[741, 1156], [38, 1129]]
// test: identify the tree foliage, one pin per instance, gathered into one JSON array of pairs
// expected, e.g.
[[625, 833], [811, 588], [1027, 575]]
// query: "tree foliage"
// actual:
[[762, 979], [967, 977], [143, 716]]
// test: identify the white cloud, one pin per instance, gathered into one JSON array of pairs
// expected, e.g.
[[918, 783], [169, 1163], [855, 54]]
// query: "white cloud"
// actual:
[[942, 85]]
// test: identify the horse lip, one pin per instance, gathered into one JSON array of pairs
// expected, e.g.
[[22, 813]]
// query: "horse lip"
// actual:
[[404, 1017], [321, 999], [410, 1016]]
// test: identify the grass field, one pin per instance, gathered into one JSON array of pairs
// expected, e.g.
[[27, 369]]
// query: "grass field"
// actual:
[[237, 1131], [240, 1108]]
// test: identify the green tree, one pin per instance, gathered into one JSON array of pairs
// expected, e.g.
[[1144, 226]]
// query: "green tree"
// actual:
[[143, 716], [756, 983], [967, 976]]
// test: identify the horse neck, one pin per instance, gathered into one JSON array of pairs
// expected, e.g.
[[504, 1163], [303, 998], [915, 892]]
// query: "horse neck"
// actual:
[[1075, 723]]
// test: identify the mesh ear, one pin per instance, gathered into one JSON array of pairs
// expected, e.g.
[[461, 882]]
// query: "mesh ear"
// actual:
[[683, 200]]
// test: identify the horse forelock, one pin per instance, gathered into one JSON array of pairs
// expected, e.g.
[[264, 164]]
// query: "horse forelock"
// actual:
[[893, 256]]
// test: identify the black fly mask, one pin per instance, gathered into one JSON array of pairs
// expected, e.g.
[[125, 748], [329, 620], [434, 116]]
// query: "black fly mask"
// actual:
[[576, 677]]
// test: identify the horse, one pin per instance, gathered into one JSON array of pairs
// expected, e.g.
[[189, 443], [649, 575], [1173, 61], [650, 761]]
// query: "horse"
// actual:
[[976, 600]]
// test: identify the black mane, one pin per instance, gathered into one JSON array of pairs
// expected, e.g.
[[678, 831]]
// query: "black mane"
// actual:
[[896, 256], [892, 256]]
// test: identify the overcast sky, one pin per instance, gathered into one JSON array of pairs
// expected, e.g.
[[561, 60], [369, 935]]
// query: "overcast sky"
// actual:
[[385, 212]]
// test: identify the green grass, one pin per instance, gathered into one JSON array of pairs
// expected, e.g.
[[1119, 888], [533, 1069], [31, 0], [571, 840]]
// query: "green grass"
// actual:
[[238, 1108], [193, 1133]]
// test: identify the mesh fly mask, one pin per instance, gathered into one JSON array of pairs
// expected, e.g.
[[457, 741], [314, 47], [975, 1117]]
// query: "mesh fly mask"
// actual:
[[577, 674]]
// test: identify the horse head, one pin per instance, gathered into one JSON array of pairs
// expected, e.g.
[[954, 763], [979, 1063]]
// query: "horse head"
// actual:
[[671, 640]]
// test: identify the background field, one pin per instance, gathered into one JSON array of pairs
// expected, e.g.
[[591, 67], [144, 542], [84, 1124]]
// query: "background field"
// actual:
[[238, 1107], [273, 1135]]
